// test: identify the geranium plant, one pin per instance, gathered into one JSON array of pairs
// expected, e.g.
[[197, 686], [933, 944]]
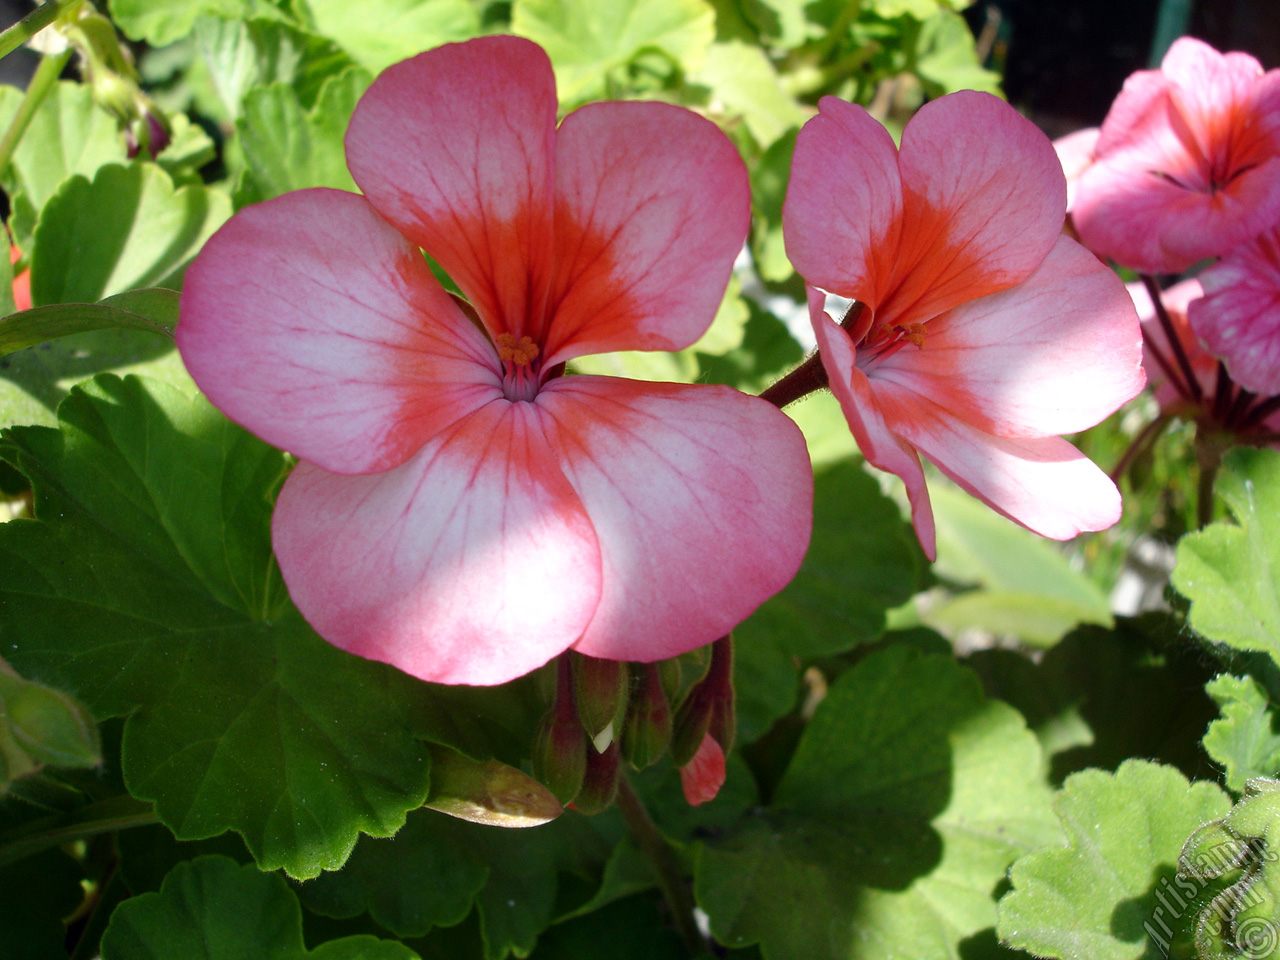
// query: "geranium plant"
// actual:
[[648, 479]]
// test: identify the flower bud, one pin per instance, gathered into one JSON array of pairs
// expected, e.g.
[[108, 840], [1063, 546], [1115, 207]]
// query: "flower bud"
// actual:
[[50, 726], [646, 733], [600, 785], [560, 748], [487, 791], [708, 708], [602, 690], [702, 777]]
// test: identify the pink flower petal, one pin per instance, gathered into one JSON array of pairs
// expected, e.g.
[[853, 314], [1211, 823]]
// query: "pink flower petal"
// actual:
[[1054, 354], [1239, 317], [454, 148], [1075, 153], [984, 203], [701, 498], [652, 207], [474, 562], [314, 324], [1188, 163], [1045, 484], [879, 445], [703, 776], [843, 212]]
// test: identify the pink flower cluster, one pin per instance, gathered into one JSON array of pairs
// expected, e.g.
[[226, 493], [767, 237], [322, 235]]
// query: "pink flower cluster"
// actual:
[[1185, 170]]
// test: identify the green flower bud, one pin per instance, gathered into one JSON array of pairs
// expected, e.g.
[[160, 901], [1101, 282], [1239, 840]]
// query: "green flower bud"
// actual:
[[488, 791], [646, 734], [602, 691], [600, 785]]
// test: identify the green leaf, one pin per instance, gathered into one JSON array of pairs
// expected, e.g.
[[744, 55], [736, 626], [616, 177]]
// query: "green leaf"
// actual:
[[946, 60], [289, 148], [1229, 571], [1111, 892], [1101, 696], [154, 310], [69, 134], [146, 587], [648, 936], [587, 40], [35, 380], [862, 561], [1025, 585], [161, 22], [744, 83], [908, 796], [729, 325], [212, 908], [35, 895], [377, 33], [429, 874], [768, 190], [1244, 741], [126, 228], [242, 55]]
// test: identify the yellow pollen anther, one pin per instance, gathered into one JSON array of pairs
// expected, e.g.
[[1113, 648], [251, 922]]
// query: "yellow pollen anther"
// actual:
[[519, 352], [915, 332]]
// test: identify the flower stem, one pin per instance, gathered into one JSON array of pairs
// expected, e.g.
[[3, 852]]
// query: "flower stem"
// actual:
[[805, 379], [1143, 442], [116, 813], [42, 82], [1210, 447], [671, 878], [33, 23], [1171, 335]]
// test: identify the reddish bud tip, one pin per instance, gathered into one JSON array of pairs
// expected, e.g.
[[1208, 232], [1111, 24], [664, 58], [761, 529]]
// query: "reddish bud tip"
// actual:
[[703, 776]]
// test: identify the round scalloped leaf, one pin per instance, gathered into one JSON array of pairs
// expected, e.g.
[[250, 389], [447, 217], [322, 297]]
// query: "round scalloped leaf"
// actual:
[[1244, 741], [1112, 892], [212, 908], [146, 587], [1229, 571], [907, 798]]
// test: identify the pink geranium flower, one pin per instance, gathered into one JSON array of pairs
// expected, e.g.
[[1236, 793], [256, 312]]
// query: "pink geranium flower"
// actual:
[[1075, 153], [462, 510], [984, 333], [1239, 317], [1188, 162]]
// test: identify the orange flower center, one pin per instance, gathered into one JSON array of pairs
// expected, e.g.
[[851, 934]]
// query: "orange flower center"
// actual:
[[519, 352]]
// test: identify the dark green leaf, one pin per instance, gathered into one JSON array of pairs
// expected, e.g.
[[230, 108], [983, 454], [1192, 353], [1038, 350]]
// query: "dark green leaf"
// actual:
[[862, 561], [34, 897], [146, 587], [214, 909]]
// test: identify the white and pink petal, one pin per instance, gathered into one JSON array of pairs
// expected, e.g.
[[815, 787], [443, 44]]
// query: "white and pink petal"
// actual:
[[455, 148], [474, 562], [696, 526], [313, 323], [652, 208]]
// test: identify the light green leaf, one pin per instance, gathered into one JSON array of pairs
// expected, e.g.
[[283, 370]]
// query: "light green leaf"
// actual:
[[681, 367], [905, 801], [918, 9], [862, 561], [1025, 586], [768, 190], [946, 59], [161, 22], [289, 148], [69, 134], [1244, 740], [587, 40], [154, 310], [1230, 572], [126, 228], [146, 587], [729, 325], [744, 83], [212, 908], [242, 55], [1111, 892], [377, 33]]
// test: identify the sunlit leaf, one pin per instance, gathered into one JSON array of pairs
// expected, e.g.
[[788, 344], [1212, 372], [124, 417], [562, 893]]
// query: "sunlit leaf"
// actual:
[[1244, 740], [908, 796], [1110, 893], [1229, 571], [154, 310], [377, 33], [126, 228]]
